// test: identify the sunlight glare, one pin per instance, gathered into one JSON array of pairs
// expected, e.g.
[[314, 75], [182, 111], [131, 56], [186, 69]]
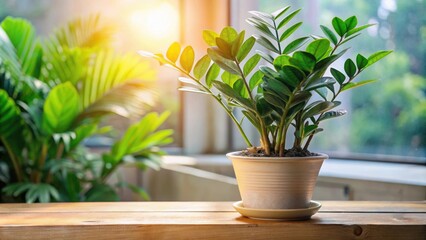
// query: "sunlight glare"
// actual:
[[158, 22]]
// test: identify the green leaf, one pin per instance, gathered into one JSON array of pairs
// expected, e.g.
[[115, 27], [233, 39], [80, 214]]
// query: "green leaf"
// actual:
[[308, 129], [322, 82], [223, 63], [187, 58], [322, 92], [192, 89], [351, 23], [361, 61], [101, 192], [228, 34], [173, 52], [273, 99], [261, 27], [317, 108], [288, 18], [330, 35], [281, 61], [351, 85], [340, 77], [245, 48], [267, 57], [235, 46], [28, 49], [231, 93], [61, 108], [303, 60], [251, 64], [278, 13], [318, 48], [281, 90], [266, 43], [229, 78], [239, 86], [377, 56], [210, 37], [294, 45], [350, 68], [292, 75], [10, 118], [256, 79], [212, 74], [202, 66], [332, 114], [360, 28], [290, 31], [262, 15], [339, 26]]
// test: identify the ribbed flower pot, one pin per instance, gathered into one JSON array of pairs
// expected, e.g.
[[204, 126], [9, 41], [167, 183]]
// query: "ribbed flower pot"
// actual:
[[276, 182]]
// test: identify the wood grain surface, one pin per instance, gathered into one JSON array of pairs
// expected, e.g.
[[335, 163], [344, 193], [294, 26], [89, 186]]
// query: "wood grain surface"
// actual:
[[207, 220]]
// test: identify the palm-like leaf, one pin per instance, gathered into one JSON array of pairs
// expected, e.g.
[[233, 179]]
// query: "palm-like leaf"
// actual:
[[84, 33], [130, 99], [10, 115], [108, 71], [28, 49]]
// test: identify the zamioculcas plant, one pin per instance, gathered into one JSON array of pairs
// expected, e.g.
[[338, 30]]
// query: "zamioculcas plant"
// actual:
[[54, 94], [278, 94], [289, 86]]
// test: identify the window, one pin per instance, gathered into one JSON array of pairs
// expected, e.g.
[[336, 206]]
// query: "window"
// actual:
[[386, 120]]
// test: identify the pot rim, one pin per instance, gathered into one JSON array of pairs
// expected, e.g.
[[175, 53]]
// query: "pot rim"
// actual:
[[234, 155]]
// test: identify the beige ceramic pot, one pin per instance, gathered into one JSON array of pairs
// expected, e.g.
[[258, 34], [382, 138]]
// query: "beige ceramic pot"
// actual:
[[276, 182]]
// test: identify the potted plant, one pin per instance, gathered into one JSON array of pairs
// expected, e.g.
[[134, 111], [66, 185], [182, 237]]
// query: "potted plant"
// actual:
[[55, 93], [294, 89]]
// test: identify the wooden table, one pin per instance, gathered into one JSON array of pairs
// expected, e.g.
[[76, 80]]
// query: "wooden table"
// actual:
[[207, 220]]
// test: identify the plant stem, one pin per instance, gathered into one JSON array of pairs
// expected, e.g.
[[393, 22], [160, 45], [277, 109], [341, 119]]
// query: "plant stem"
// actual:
[[219, 100], [14, 159], [40, 163], [277, 35]]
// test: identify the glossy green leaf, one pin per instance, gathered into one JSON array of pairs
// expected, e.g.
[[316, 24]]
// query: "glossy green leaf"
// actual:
[[212, 74], [201, 67], [322, 92], [303, 60], [187, 58], [339, 26], [292, 75], [265, 56], [236, 45], [308, 130], [210, 37], [255, 80], [321, 82], [361, 61], [329, 34], [281, 61], [318, 48], [278, 13], [173, 52], [351, 23], [245, 48], [228, 34], [239, 87], [267, 44], [60, 109], [332, 114], [229, 78], [261, 27], [290, 31], [351, 85], [294, 45], [377, 56], [358, 29], [317, 108], [223, 63], [340, 77], [350, 68], [288, 18], [251, 64], [262, 15]]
